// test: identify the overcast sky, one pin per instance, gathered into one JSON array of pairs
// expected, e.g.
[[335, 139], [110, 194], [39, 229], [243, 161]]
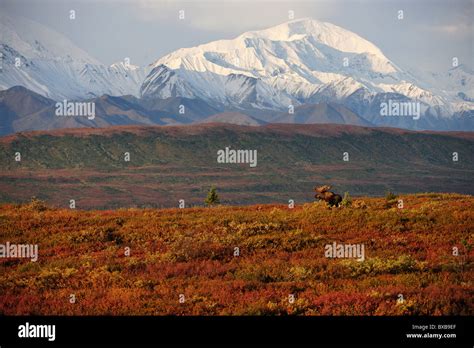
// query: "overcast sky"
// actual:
[[430, 34]]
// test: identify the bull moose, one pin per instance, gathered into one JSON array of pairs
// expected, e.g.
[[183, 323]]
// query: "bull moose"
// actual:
[[323, 193]]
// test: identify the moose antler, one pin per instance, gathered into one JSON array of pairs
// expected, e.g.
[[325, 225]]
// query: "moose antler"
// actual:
[[323, 188]]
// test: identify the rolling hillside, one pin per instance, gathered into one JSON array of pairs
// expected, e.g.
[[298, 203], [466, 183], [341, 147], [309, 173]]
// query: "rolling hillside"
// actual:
[[180, 162]]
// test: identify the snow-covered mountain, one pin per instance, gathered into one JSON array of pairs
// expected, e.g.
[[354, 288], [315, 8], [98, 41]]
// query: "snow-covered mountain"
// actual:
[[455, 84], [298, 62], [48, 63], [260, 73]]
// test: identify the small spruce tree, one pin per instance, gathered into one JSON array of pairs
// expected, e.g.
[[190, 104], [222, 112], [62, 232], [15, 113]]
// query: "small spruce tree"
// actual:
[[347, 200], [390, 196], [390, 199], [212, 197]]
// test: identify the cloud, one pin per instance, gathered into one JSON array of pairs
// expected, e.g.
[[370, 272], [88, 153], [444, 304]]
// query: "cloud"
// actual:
[[226, 16], [459, 23], [459, 29], [448, 28]]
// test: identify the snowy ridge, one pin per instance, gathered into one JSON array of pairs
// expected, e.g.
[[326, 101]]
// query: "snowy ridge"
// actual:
[[292, 63], [53, 66]]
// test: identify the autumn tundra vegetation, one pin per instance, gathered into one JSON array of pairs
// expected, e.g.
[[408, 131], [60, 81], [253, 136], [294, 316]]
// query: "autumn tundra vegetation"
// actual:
[[243, 260]]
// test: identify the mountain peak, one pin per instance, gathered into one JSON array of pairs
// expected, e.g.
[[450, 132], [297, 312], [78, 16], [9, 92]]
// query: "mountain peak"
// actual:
[[273, 67], [120, 65], [34, 40], [322, 32]]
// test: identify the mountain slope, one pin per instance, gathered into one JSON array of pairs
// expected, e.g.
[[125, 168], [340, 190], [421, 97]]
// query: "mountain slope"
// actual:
[[457, 84], [17, 103], [233, 118], [321, 113], [192, 109], [48, 63], [23, 110]]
